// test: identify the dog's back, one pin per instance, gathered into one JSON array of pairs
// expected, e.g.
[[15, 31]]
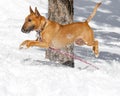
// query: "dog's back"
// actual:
[[69, 33]]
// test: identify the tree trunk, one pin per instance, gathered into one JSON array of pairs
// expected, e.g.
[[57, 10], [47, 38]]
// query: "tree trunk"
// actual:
[[61, 11]]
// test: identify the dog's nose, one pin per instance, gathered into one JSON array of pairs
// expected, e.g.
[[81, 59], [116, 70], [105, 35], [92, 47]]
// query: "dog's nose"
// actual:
[[23, 30]]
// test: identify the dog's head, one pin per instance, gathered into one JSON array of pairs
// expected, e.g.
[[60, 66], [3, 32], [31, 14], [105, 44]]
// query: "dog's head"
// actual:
[[34, 21]]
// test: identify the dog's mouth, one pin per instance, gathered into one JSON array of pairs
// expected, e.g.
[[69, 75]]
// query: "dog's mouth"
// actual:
[[28, 30]]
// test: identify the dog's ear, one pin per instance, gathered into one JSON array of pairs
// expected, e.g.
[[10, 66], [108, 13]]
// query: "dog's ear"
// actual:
[[31, 11], [37, 12]]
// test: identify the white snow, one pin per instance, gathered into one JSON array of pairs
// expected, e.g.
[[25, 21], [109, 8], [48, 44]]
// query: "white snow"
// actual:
[[27, 73]]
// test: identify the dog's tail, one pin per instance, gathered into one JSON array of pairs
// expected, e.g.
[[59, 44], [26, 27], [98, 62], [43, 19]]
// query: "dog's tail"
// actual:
[[94, 12]]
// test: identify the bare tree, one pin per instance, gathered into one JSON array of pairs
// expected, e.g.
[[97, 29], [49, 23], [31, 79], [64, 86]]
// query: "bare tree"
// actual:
[[61, 11]]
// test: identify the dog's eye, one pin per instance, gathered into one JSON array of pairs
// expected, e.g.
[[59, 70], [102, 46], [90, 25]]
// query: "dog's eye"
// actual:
[[29, 20]]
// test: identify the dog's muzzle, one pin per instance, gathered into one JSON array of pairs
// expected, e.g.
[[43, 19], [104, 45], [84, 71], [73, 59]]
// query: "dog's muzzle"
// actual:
[[27, 30]]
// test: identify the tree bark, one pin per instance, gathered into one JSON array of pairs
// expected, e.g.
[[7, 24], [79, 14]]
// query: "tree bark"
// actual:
[[61, 11]]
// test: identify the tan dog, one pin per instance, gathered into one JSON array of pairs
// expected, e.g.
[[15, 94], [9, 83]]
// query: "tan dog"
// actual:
[[58, 36]]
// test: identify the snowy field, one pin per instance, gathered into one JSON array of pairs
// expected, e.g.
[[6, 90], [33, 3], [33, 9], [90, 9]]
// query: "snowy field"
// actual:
[[28, 73]]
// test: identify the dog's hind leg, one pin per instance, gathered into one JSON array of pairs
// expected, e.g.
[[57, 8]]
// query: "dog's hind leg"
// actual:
[[94, 45], [95, 48]]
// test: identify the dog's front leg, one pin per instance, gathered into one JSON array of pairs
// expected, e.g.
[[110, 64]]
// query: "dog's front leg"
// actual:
[[31, 43], [24, 44]]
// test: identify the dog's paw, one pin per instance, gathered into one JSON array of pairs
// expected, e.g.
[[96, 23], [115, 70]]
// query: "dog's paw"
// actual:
[[26, 44], [96, 55], [22, 47]]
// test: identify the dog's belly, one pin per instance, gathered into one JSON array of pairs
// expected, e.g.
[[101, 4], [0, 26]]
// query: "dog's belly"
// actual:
[[57, 44], [63, 41]]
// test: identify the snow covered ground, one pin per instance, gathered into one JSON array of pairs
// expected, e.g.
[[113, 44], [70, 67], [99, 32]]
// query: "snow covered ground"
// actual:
[[28, 73]]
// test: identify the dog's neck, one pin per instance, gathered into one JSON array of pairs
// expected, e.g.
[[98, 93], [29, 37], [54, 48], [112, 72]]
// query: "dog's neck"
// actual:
[[44, 25], [41, 29]]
